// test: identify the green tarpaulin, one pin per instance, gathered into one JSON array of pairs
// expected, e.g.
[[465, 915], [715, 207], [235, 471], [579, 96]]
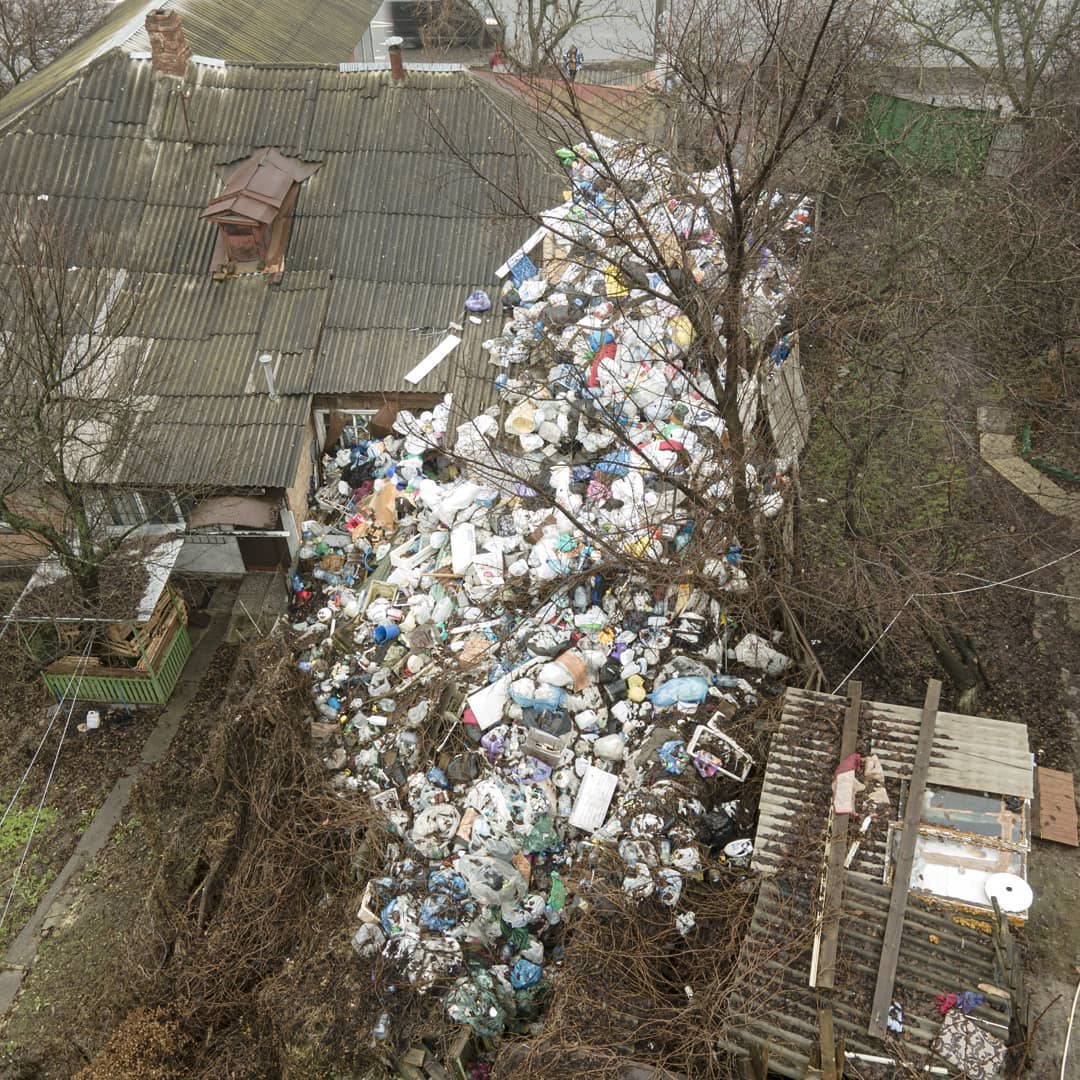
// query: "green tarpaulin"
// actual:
[[938, 137]]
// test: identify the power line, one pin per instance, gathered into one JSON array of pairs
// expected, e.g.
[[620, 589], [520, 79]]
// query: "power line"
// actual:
[[52, 721], [1006, 582], [44, 793]]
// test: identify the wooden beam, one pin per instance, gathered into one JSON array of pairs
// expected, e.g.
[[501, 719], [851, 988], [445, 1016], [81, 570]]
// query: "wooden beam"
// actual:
[[894, 926], [828, 1045], [834, 875]]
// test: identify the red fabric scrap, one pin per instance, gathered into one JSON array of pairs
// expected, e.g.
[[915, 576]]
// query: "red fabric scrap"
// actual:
[[605, 352], [849, 764]]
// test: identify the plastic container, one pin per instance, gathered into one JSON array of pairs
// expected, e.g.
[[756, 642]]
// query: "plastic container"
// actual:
[[686, 690]]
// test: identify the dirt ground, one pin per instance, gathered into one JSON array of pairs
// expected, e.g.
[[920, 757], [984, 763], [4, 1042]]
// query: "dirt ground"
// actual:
[[1053, 933], [85, 978], [87, 766]]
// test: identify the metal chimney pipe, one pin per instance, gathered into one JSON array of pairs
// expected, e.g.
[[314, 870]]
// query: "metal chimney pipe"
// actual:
[[266, 361], [397, 66]]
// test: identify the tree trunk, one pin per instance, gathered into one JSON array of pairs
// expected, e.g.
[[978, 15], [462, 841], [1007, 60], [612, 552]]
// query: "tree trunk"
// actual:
[[956, 653], [736, 360]]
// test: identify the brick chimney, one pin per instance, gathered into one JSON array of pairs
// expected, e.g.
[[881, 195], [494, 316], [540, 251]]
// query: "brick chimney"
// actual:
[[397, 66], [168, 49]]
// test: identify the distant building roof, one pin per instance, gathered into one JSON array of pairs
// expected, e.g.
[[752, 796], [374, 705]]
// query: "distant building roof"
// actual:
[[620, 111], [389, 236], [242, 31]]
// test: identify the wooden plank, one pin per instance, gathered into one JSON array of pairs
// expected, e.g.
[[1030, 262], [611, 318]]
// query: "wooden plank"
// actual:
[[828, 1045], [894, 926], [1055, 817], [834, 878]]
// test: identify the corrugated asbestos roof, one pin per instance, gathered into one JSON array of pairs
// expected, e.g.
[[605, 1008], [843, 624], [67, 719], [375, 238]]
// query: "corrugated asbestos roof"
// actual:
[[789, 850], [240, 31], [390, 234], [238, 441]]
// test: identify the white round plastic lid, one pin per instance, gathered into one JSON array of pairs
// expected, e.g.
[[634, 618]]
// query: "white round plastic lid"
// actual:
[[1012, 893]]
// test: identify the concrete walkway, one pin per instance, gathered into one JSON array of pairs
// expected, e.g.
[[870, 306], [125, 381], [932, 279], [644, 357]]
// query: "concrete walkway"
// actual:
[[997, 446], [20, 956]]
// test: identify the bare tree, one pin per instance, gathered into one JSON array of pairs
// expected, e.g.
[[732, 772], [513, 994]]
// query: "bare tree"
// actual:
[[70, 395], [749, 88], [538, 30], [33, 33], [1015, 46]]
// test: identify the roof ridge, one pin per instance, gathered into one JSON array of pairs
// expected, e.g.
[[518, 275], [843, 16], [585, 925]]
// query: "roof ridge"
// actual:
[[42, 99]]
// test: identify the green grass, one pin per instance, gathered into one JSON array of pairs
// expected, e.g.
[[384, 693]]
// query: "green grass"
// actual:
[[34, 877], [17, 827]]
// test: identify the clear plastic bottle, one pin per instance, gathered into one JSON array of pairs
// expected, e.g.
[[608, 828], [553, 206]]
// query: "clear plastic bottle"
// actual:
[[382, 1027]]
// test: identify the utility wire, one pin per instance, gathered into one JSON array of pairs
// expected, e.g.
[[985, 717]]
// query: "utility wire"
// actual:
[[41, 801], [52, 721], [952, 592]]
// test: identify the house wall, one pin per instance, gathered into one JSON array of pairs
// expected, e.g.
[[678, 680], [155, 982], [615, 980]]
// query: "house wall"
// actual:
[[19, 549], [296, 495]]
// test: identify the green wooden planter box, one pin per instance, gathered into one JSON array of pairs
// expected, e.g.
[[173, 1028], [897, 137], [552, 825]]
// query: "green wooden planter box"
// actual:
[[151, 687]]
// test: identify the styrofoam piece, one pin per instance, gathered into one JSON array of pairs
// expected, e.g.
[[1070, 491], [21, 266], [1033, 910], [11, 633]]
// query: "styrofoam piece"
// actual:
[[433, 359], [593, 799], [462, 547], [487, 703], [400, 558]]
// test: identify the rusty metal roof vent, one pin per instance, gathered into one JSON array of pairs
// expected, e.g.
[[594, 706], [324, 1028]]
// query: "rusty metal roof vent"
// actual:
[[254, 213], [169, 52]]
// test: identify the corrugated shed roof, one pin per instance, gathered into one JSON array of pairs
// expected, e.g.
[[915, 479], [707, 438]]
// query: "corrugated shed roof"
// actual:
[[242, 31], [391, 233], [240, 441], [789, 849], [936, 956], [794, 805], [973, 753]]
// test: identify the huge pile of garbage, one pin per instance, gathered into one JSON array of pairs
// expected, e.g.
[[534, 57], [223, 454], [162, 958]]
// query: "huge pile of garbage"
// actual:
[[465, 580]]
